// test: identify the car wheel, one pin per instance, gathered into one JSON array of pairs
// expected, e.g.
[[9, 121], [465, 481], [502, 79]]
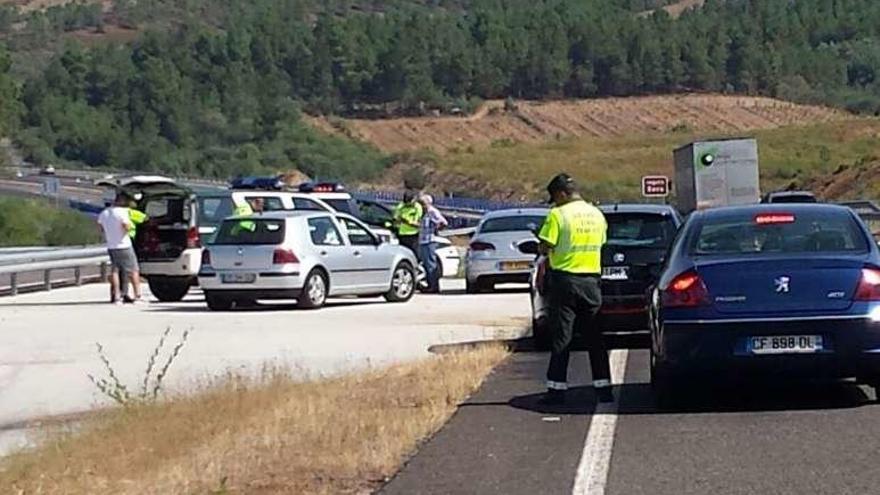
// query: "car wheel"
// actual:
[[314, 293], [403, 284], [169, 289], [218, 303]]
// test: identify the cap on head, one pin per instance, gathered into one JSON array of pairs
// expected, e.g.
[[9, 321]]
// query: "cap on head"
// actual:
[[427, 199], [562, 183]]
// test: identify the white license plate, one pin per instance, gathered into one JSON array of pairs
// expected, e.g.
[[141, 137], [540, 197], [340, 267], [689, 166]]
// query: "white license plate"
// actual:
[[785, 344], [615, 273], [238, 278], [515, 266]]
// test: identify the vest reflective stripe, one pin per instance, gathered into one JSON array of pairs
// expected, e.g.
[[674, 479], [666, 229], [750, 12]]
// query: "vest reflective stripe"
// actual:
[[581, 233]]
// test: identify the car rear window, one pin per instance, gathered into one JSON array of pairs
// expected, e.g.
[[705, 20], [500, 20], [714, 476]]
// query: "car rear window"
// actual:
[[512, 224], [250, 232], [640, 230], [779, 232]]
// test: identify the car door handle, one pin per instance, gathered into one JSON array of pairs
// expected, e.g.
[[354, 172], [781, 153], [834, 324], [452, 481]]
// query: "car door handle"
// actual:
[[323, 253], [357, 253]]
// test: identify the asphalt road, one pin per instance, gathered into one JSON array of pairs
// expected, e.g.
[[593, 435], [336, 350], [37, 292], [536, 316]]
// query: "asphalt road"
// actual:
[[47, 341], [780, 439]]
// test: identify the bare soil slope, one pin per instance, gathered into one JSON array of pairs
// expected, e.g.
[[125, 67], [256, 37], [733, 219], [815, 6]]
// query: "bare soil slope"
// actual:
[[33, 5], [599, 118]]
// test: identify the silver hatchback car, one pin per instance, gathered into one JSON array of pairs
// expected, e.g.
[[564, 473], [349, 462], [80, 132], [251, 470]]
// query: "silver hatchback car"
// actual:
[[303, 255], [495, 255]]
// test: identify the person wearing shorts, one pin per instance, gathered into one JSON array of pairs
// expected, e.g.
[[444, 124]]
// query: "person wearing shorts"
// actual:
[[115, 224]]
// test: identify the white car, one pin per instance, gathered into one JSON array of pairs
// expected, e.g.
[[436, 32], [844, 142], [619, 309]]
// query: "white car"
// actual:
[[168, 245], [303, 255], [214, 206]]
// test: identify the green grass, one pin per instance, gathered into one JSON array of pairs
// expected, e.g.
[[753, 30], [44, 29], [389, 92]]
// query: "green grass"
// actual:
[[33, 222], [611, 169]]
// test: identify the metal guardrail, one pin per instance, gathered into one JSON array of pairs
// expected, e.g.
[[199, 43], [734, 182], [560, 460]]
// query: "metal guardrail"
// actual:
[[46, 261]]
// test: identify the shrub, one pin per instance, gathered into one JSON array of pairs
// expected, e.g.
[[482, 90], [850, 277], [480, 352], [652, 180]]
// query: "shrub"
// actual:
[[39, 223]]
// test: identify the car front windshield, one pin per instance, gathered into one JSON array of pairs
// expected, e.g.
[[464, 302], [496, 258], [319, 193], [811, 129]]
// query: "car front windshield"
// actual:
[[516, 223], [781, 232], [640, 230], [342, 206], [212, 210]]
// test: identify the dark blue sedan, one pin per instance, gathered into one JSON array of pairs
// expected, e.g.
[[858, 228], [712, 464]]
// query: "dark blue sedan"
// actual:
[[765, 292]]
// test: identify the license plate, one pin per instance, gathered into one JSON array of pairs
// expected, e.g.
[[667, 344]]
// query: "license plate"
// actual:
[[615, 273], [785, 344], [238, 278], [513, 266]]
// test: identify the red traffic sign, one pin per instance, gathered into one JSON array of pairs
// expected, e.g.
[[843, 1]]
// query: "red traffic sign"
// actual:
[[655, 186]]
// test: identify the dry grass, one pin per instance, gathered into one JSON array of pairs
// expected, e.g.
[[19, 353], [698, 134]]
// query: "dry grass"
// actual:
[[611, 168], [535, 122], [272, 435]]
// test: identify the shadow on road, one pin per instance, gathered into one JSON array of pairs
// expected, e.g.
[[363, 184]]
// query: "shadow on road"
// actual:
[[496, 292], [59, 304]]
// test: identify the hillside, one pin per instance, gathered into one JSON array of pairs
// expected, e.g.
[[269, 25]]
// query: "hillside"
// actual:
[[838, 159], [532, 122]]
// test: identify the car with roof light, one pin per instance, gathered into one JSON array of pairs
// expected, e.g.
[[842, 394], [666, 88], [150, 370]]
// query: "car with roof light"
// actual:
[[307, 256], [214, 206], [768, 292], [637, 241]]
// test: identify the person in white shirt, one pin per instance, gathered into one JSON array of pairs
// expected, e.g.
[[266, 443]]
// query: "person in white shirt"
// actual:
[[115, 224], [432, 221]]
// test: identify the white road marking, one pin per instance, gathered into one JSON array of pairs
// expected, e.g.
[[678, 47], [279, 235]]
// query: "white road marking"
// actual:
[[592, 471]]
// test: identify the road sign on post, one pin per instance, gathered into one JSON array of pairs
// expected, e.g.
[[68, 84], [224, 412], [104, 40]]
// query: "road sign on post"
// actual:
[[655, 186], [51, 186]]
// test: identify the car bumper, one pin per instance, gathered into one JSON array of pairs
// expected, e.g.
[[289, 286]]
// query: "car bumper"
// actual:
[[265, 283], [851, 348], [186, 265], [625, 314], [489, 269], [450, 260]]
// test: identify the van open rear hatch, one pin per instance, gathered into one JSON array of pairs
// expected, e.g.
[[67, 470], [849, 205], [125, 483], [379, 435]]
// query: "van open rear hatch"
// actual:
[[170, 208]]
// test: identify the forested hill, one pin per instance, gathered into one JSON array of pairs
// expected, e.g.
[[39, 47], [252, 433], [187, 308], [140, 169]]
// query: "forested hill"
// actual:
[[220, 89]]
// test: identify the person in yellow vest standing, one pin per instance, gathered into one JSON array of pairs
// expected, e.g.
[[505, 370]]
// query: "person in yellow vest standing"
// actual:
[[408, 218], [136, 218], [243, 209], [572, 237]]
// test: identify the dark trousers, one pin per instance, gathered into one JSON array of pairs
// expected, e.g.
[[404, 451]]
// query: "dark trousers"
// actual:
[[411, 242], [574, 303]]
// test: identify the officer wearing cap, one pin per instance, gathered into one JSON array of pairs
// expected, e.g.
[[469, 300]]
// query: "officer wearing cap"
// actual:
[[572, 238]]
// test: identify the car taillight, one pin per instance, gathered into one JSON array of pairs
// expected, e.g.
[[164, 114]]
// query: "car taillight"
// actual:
[[481, 246], [206, 258], [686, 291], [869, 285], [192, 238], [283, 257]]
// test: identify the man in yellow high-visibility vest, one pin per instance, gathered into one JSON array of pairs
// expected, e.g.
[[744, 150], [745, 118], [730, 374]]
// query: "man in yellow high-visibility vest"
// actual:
[[572, 238], [408, 217]]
